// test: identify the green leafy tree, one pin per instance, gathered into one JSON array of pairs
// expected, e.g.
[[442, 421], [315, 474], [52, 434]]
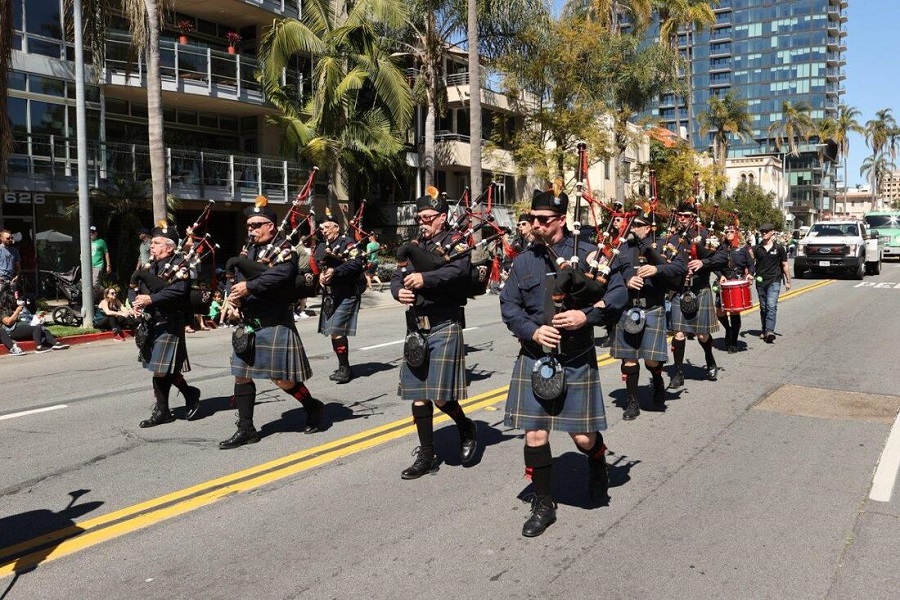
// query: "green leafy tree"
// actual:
[[881, 133], [877, 168], [361, 103], [755, 206], [846, 122], [610, 14], [675, 168]]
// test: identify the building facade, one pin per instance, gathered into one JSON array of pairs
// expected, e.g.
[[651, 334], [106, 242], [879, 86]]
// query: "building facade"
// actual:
[[768, 52]]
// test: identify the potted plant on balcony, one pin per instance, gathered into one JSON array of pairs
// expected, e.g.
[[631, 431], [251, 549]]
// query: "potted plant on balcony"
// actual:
[[233, 39], [185, 26]]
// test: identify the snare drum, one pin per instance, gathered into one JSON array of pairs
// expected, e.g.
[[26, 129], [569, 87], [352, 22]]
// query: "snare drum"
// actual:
[[736, 295]]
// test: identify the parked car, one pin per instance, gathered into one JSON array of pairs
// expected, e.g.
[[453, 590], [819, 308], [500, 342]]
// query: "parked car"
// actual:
[[886, 223], [838, 247]]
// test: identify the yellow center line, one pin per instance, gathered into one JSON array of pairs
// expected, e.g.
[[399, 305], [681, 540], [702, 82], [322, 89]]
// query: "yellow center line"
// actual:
[[88, 533]]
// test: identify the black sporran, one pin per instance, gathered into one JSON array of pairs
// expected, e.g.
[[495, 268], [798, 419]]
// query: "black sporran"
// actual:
[[243, 341], [690, 303], [328, 305], [635, 320], [548, 379], [415, 349], [141, 334]]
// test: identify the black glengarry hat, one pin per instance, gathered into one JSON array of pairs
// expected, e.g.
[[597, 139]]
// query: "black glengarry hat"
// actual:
[[427, 202], [262, 209], [163, 229], [550, 201], [686, 206]]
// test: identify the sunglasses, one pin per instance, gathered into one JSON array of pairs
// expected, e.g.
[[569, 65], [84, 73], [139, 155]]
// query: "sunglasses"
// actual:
[[544, 219], [427, 219], [524, 223], [256, 224]]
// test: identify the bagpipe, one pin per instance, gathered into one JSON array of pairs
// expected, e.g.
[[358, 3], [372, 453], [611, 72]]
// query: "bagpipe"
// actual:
[[282, 247], [464, 226], [190, 253]]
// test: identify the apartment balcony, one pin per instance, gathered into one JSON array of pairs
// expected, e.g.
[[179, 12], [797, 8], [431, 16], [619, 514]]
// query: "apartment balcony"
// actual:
[[454, 150], [192, 77], [835, 74], [49, 164], [492, 95], [724, 6], [835, 58], [240, 12]]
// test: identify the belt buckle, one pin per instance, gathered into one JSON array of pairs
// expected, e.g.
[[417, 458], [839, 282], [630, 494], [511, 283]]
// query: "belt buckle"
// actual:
[[423, 323]]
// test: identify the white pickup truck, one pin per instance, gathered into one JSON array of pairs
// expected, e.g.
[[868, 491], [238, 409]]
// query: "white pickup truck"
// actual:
[[838, 247]]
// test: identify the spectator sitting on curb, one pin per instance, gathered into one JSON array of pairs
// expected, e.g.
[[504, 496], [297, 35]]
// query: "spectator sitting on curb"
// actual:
[[20, 324], [7, 341], [113, 315]]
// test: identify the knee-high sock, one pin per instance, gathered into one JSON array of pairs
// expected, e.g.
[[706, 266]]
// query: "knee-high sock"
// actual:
[[341, 348], [595, 452], [708, 352], [678, 353], [300, 392], [161, 387], [631, 373], [423, 417], [244, 399], [539, 466], [656, 372], [726, 324], [735, 327], [455, 411], [179, 382]]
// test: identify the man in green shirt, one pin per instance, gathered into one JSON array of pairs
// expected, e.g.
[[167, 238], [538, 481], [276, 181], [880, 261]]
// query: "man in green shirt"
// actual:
[[372, 249], [99, 257]]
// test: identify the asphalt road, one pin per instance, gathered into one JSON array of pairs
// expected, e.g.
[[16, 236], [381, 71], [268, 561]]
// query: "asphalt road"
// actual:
[[754, 486]]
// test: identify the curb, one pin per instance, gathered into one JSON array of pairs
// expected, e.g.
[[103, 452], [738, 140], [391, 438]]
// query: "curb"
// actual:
[[28, 346]]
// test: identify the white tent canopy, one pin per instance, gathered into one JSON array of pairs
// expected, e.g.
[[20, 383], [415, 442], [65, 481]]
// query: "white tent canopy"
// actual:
[[51, 235]]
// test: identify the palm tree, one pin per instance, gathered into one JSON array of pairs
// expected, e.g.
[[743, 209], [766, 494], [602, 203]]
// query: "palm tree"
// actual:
[[675, 15], [845, 124], [729, 116], [881, 132], [795, 124], [361, 102], [6, 39], [609, 13], [877, 167]]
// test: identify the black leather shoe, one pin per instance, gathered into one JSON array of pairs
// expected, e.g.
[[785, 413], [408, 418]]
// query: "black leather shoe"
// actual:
[[732, 349], [157, 417], [343, 375], [191, 403], [543, 515], [334, 375], [468, 442], [240, 437], [632, 410], [770, 338], [426, 462], [598, 480], [712, 372], [314, 416], [677, 381]]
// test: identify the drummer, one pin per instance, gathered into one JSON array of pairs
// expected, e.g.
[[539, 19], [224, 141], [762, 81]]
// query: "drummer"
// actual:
[[740, 267]]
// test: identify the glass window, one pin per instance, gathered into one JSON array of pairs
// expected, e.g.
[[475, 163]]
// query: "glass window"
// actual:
[[47, 118], [44, 48], [17, 15], [17, 108], [17, 80], [43, 19], [46, 85]]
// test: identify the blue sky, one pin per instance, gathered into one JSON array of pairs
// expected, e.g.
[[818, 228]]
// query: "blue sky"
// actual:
[[873, 69]]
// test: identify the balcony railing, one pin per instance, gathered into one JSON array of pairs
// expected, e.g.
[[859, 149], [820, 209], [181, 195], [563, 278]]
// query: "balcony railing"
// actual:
[[190, 172], [186, 64]]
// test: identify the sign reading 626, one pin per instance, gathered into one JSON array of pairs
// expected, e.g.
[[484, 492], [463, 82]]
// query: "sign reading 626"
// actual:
[[23, 198]]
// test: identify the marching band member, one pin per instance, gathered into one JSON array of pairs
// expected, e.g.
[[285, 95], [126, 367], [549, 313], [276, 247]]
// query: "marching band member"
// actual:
[[165, 352], [579, 409], [435, 299], [276, 352], [641, 331], [701, 262], [740, 266], [342, 265]]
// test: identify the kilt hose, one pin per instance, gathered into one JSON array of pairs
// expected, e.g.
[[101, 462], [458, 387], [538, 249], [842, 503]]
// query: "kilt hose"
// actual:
[[703, 322], [278, 354], [649, 344], [343, 321], [443, 376], [580, 411], [167, 353]]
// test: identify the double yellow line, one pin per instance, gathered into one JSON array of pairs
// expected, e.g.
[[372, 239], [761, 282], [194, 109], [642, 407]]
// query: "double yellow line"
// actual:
[[62, 542]]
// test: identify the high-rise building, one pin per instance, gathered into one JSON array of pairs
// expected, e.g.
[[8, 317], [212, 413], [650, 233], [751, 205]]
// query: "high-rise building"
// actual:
[[768, 52]]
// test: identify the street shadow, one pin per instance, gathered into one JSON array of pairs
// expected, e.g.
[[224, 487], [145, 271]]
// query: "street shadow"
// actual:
[[619, 399], [570, 479], [446, 442], [371, 368], [474, 374], [294, 419], [45, 528]]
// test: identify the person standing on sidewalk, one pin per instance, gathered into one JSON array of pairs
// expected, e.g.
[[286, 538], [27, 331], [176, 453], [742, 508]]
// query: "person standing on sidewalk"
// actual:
[[100, 261], [435, 299], [10, 260], [771, 269]]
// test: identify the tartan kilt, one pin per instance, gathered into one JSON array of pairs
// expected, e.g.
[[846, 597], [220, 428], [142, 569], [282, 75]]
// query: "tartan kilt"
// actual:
[[649, 344], [343, 321], [581, 411], [279, 354], [703, 322], [167, 352], [443, 377]]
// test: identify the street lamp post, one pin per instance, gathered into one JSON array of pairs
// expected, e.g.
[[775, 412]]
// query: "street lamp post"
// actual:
[[84, 208]]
